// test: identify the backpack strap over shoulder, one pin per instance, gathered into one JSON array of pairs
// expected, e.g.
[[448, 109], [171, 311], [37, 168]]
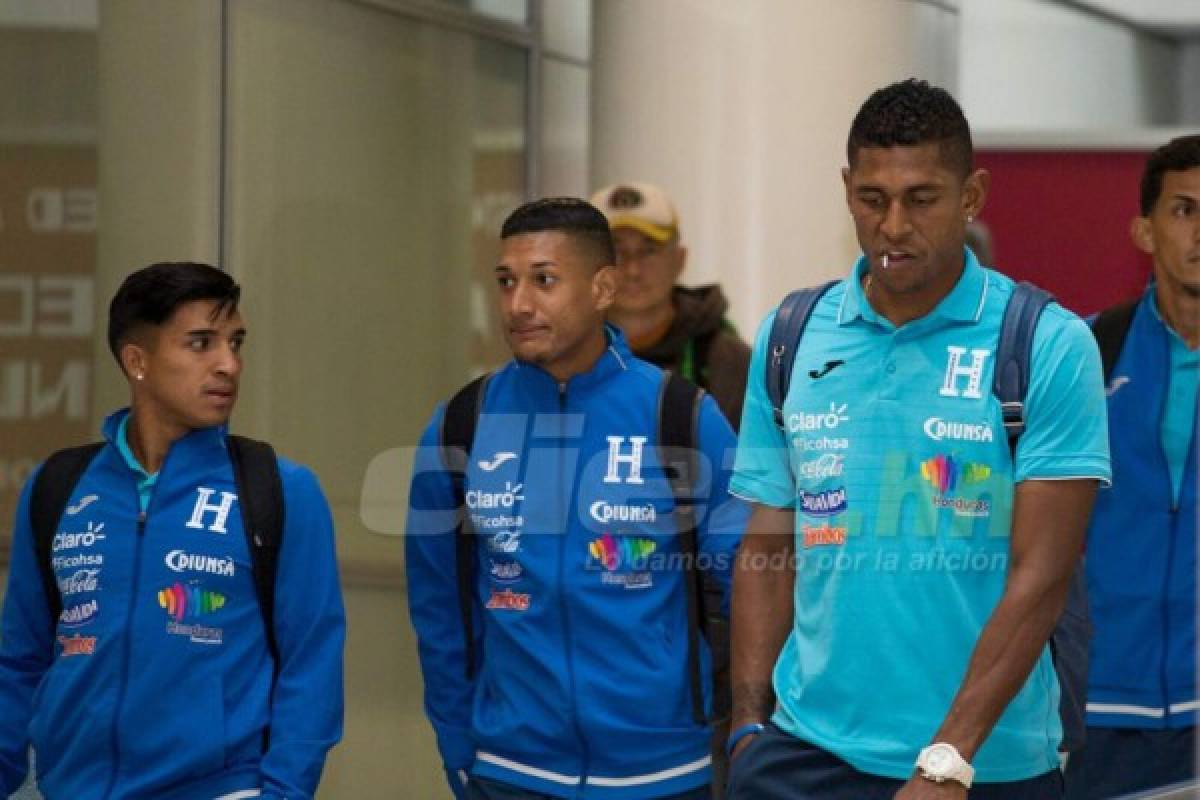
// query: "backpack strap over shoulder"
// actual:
[[790, 321], [457, 437], [50, 494], [1014, 355], [678, 425], [1110, 328], [260, 497]]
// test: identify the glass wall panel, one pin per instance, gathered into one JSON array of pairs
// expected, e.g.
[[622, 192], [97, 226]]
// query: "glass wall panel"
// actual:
[[371, 158]]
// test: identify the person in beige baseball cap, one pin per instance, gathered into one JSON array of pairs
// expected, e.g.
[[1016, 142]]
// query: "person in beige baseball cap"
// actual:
[[680, 328]]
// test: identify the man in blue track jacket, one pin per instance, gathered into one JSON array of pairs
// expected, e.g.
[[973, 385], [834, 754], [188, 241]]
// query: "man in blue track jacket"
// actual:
[[1141, 545], [156, 681], [579, 685]]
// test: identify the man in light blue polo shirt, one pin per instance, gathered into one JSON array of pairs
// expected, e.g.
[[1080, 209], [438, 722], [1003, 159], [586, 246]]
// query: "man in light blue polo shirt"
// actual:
[[902, 571]]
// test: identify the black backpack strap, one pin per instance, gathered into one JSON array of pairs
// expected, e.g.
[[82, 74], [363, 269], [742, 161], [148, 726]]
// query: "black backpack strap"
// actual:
[[1110, 328], [50, 494], [678, 421], [1014, 356], [790, 321], [457, 438], [260, 497]]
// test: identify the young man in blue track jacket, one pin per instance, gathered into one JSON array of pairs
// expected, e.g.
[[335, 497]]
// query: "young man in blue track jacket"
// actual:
[[156, 681], [580, 683], [1141, 546]]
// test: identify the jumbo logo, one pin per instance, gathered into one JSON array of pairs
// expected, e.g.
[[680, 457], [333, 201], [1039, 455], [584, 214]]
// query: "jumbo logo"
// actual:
[[77, 645], [945, 473], [613, 552], [182, 602]]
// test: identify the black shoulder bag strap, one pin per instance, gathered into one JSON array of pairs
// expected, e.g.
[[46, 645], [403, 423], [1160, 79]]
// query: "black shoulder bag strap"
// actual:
[[1110, 328], [260, 497], [458, 436], [51, 491], [678, 421], [790, 321]]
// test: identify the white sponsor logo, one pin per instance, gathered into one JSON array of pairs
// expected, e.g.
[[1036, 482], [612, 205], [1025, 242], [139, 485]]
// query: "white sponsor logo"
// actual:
[[202, 507], [603, 512], [80, 614], [83, 503], [477, 498], [497, 460], [827, 466], [823, 504], [505, 542], [69, 541], [937, 429], [804, 422], [84, 580], [200, 634], [482, 522], [1116, 385], [506, 571], [822, 443], [77, 561], [973, 372], [181, 561]]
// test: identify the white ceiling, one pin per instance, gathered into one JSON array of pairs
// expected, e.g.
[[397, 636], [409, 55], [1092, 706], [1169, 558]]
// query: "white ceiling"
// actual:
[[1179, 18]]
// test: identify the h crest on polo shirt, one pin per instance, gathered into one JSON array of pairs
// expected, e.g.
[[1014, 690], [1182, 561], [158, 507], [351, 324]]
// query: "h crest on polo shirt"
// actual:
[[956, 371], [616, 458]]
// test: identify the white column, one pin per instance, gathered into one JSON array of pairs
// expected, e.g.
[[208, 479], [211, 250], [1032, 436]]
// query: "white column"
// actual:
[[741, 109]]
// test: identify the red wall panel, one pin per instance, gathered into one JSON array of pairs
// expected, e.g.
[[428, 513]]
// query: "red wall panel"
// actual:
[[1061, 220]]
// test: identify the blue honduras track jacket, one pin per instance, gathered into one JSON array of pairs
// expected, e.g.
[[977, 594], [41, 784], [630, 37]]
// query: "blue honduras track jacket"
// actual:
[[582, 687], [1141, 553], [156, 683]]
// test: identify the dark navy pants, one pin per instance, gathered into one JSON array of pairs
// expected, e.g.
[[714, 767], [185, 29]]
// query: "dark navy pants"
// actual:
[[486, 789], [1117, 761], [777, 766]]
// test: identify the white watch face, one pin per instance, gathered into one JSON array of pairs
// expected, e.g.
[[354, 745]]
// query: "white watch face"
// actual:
[[939, 761]]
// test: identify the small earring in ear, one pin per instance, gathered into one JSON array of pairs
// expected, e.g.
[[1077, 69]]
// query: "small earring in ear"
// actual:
[[970, 218], [140, 376]]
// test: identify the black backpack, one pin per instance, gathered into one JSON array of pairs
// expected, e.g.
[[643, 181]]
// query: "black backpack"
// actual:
[[260, 497], [1110, 327], [1014, 354], [678, 417]]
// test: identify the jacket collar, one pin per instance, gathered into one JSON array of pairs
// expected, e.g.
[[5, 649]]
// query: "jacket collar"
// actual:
[[199, 442], [614, 360]]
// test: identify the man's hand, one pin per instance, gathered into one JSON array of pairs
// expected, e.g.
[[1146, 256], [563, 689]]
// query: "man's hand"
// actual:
[[919, 788]]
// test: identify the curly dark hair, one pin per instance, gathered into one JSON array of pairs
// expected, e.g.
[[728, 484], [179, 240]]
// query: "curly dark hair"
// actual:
[[577, 218], [1177, 155], [910, 113]]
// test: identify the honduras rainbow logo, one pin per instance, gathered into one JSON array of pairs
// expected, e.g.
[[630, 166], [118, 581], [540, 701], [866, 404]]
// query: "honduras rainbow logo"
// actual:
[[613, 552], [946, 472], [182, 602]]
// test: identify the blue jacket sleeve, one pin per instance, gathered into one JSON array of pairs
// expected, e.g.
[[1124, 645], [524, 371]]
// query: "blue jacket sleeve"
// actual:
[[724, 516], [433, 604], [310, 629], [26, 649]]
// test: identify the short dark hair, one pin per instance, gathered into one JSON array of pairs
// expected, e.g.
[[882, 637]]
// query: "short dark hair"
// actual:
[[577, 218], [1177, 155], [151, 295], [910, 113]]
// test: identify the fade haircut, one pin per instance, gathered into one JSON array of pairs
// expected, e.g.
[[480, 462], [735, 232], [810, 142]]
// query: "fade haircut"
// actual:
[[151, 295], [576, 218], [1177, 155], [911, 113]]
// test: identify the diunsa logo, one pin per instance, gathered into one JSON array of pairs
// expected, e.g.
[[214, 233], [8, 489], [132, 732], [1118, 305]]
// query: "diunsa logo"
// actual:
[[182, 561], [938, 429]]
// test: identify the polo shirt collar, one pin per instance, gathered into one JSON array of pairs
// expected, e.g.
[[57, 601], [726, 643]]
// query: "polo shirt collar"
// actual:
[[964, 303]]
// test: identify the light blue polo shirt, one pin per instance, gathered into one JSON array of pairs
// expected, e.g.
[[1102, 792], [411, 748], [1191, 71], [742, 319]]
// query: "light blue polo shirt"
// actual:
[[1179, 413], [145, 481], [897, 465]]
